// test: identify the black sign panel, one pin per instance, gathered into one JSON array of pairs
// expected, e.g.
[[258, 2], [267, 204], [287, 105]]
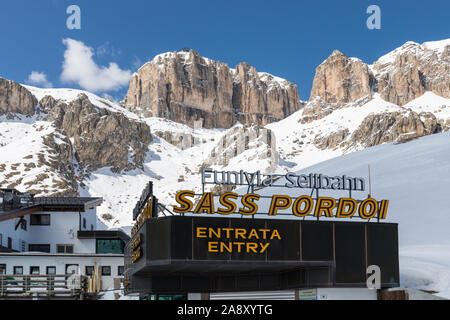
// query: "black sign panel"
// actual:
[[208, 254], [382, 246], [317, 241], [350, 245]]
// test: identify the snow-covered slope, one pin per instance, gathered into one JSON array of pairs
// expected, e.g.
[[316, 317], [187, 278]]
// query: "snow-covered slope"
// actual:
[[431, 102], [295, 140], [173, 166], [414, 176], [23, 153], [172, 162], [322, 136], [68, 95]]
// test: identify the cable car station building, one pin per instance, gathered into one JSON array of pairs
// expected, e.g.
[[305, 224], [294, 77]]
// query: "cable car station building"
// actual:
[[209, 256]]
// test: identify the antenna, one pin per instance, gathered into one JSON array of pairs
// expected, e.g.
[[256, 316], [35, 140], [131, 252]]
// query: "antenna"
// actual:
[[370, 183]]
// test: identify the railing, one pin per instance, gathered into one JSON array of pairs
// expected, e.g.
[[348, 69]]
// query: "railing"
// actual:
[[30, 286]]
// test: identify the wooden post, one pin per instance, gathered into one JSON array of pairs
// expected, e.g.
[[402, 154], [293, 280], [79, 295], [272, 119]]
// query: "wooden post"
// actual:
[[99, 283]]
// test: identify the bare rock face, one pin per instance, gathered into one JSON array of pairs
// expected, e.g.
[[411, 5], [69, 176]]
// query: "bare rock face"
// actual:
[[317, 109], [393, 127], [15, 98], [187, 88], [331, 141], [101, 137], [60, 161], [262, 98], [341, 79], [180, 140], [399, 76], [246, 143], [407, 72]]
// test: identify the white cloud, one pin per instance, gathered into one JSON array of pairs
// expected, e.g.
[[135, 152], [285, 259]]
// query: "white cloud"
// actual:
[[80, 68], [39, 79]]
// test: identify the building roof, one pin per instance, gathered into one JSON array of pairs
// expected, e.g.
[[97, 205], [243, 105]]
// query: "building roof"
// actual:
[[32, 204], [69, 202], [103, 234]]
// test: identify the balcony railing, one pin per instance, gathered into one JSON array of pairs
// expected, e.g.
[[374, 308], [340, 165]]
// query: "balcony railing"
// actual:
[[50, 286]]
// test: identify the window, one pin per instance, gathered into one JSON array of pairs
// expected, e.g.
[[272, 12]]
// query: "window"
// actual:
[[92, 227], [23, 224], [34, 270], [64, 248], [2, 268], [1, 239], [18, 270], [120, 270], [106, 270], [51, 270], [9, 243], [23, 246], [89, 270], [110, 246], [40, 220], [39, 247], [84, 223]]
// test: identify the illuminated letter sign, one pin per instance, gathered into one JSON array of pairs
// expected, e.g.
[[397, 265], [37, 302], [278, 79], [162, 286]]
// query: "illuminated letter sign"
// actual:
[[301, 206]]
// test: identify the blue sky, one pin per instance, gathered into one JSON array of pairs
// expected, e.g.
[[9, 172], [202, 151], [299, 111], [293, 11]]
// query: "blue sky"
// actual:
[[286, 38]]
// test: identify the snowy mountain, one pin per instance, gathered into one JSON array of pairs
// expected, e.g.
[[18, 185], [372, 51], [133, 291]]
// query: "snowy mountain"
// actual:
[[188, 88], [73, 142], [68, 141], [414, 176]]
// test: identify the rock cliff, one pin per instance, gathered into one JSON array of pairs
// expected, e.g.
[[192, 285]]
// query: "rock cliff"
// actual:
[[399, 76], [14, 98], [101, 137], [341, 79], [188, 88]]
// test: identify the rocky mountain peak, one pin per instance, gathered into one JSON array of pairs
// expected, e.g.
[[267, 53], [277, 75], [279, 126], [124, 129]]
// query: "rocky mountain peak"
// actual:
[[14, 98], [188, 88], [340, 79], [400, 76], [407, 72], [101, 138]]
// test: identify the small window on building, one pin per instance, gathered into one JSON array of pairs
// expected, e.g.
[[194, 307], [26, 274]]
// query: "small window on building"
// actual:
[[1, 239], [23, 224], [84, 223], [120, 270], [23, 246], [2, 268], [92, 227], [106, 270], [34, 270], [89, 270], [9, 243], [110, 246], [39, 248], [40, 220], [18, 270], [64, 248], [51, 270]]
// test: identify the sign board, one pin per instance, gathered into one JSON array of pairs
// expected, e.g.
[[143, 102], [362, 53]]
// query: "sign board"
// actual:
[[221, 254], [300, 206]]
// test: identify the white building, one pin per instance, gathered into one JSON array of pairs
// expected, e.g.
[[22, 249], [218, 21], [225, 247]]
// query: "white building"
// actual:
[[57, 236]]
